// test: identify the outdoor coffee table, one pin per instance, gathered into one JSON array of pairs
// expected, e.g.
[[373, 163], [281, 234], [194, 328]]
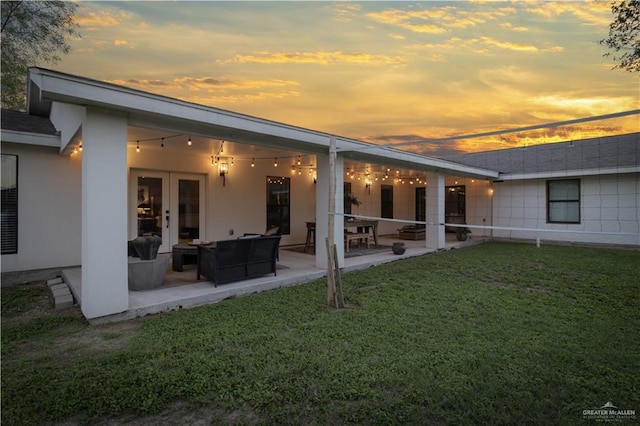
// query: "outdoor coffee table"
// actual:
[[186, 254]]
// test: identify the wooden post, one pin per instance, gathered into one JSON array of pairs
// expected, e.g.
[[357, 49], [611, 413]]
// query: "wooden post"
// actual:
[[331, 277], [338, 280], [332, 299]]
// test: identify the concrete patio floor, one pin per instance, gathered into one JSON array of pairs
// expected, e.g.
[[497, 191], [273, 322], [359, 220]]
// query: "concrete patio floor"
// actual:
[[181, 290]]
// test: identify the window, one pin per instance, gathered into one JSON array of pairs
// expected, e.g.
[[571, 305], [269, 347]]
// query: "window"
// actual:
[[421, 205], [279, 203], [347, 192], [563, 201], [9, 213], [386, 201]]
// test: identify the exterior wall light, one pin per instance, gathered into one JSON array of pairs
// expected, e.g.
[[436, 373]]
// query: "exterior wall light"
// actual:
[[224, 169]]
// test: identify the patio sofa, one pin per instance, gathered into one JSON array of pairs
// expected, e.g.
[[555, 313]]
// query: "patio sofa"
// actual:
[[239, 259]]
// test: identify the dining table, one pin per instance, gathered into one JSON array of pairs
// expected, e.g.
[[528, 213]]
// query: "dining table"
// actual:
[[361, 226]]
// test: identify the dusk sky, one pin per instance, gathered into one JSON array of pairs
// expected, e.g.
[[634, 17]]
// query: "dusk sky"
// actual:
[[382, 72]]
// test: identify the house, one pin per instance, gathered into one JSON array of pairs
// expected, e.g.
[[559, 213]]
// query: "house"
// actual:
[[585, 191], [91, 165]]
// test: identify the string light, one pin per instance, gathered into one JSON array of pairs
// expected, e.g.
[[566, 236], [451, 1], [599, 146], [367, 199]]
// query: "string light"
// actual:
[[80, 147], [215, 156]]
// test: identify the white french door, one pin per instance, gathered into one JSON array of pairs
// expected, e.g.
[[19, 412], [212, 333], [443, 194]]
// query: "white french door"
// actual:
[[169, 205]]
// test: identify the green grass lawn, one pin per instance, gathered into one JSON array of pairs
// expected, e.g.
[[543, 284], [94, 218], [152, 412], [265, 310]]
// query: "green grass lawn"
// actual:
[[491, 334]]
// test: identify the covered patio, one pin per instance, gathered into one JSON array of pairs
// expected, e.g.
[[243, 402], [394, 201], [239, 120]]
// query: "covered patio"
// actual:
[[182, 290]]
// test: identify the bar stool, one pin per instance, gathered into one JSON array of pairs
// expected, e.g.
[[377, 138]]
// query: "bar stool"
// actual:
[[311, 237]]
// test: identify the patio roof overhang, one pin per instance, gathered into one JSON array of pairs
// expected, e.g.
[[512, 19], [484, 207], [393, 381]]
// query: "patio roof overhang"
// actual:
[[159, 112]]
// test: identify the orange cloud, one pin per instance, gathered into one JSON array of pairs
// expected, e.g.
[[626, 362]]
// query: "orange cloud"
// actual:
[[519, 47], [88, 20], [215, 90], [241, 98], [435, 20], [343, 12], [482, 45], [320, 58], [217, 84], [510, 26], [592, 12]]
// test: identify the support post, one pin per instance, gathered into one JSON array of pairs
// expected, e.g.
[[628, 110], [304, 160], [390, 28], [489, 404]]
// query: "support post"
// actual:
[[104, 214], [434, 236]]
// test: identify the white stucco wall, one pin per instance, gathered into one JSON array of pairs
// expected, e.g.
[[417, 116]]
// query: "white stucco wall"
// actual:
[[241, 205], [609, 203], [49, 209]]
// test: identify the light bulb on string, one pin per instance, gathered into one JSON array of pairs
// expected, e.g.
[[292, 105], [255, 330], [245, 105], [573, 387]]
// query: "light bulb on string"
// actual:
[[137, 146], [189, 141], [275, 162], [253, 162]]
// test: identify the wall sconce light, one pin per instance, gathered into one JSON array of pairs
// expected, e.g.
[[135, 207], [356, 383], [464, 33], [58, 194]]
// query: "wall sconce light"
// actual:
[[367, 185], [224, 169]]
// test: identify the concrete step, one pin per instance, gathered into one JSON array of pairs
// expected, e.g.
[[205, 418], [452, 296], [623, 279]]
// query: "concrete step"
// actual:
[[61, 294]]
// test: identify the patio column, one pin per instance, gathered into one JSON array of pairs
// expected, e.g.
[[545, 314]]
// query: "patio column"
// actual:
[[435, 211], [322, 210], [104, 213]]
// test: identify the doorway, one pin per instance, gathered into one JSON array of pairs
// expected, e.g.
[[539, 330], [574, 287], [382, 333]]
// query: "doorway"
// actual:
[[455, 211], [169, 205]]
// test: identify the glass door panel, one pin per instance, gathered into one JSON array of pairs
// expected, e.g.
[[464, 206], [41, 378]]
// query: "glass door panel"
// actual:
[[149, 206], [188, 210], [169, 205]]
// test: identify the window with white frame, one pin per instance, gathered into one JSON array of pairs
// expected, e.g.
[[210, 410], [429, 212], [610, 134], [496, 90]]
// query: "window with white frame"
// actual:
[[563, 201], [9, 231]]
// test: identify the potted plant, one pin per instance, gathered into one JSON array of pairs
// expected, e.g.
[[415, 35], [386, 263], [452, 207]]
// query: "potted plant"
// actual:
[[146, 246], [398, 248], [350, 199], [461, 233]]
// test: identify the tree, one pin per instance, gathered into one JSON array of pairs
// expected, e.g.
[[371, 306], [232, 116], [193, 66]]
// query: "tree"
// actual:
[[624, 35], [33, 32]]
